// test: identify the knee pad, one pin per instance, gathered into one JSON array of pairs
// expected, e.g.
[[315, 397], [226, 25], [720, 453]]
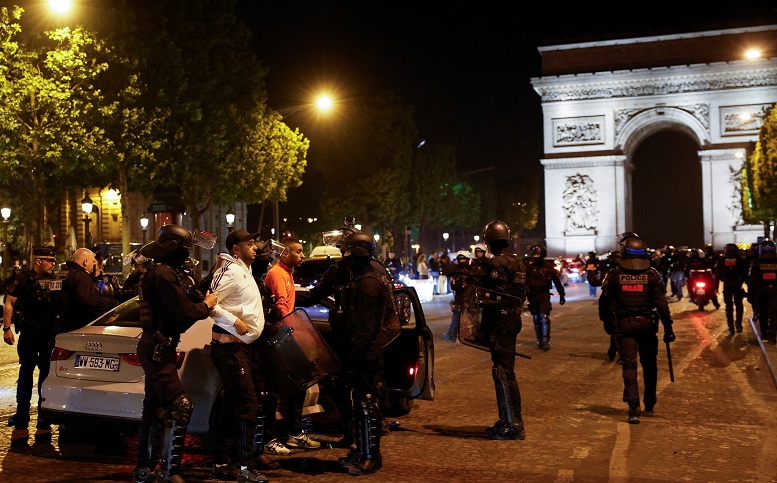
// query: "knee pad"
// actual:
[[181, 409]]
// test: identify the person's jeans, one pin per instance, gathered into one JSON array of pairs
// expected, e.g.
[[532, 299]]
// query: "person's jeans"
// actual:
[[453, 330]]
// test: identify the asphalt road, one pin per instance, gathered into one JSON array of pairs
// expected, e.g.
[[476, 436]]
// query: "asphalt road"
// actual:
[[715, 423]]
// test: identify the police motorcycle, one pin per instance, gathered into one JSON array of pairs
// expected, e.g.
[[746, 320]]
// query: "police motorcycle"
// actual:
[[701, 285]]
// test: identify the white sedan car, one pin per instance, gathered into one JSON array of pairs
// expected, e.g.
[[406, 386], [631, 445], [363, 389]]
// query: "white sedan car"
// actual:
[[95, 375]]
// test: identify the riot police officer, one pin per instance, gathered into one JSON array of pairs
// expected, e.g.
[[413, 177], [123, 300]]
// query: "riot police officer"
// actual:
[[762, 290], [539, 277], [28, 304], [633, 299], [165, 313], [731, 270], [501, 324], [460, 274], [332, 283], [366, 306]]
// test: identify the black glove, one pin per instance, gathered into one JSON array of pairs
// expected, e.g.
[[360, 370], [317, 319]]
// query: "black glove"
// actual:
[[668, 334], [561, 300], [609, 327]]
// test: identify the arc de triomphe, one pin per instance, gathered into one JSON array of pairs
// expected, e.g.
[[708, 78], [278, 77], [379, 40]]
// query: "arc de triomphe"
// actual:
[[600, 100]]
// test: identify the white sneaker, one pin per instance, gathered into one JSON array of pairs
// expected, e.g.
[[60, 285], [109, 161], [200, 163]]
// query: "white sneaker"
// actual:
[[302, 441], [276, 447]]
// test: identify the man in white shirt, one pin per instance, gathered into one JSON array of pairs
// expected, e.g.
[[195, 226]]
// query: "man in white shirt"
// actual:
[[238, 320]]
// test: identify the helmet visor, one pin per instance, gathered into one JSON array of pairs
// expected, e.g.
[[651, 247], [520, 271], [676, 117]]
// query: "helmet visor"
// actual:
[[333, 238], [204, 239], [635, 252]]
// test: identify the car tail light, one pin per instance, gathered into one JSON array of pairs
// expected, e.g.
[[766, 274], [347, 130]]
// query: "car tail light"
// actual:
[[413, 370], [701, 284], [60, 354], [179, 359], [131, 358]]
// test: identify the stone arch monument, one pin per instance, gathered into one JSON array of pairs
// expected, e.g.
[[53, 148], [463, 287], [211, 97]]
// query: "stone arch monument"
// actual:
[[600, 100]]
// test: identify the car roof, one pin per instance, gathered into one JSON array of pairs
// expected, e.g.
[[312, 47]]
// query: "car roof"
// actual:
[[324, 251]]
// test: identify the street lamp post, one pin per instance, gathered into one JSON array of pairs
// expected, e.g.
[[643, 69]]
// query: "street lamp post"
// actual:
[[445, 237], [6, 214], [144, 226], [86, 207]]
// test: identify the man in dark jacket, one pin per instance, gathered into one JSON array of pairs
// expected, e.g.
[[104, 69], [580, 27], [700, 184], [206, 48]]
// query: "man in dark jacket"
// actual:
[[82, 300]]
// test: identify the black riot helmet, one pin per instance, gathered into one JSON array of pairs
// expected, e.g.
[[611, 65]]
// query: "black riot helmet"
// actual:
[[634, 255], [731, 250], [497, 235], [766, 250], [625, 236], [709, 250], [168, 239], [538, 251], [359, 244]]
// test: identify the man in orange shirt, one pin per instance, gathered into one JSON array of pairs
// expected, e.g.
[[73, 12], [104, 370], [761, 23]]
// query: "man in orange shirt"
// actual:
[[280, 282]]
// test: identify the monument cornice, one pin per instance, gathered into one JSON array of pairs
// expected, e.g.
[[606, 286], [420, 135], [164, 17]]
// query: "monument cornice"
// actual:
[[652, 82], [584, 162]]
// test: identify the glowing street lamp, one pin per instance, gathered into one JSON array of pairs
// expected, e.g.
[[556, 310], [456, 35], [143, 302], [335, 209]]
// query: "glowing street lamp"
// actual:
[[60, 6], [86, 207], [144, 225], [324, 103], [477, 238], [230, 218], [6, 214], [376, 237]]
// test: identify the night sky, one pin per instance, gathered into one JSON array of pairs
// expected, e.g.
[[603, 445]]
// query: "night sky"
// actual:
[[466, 68]]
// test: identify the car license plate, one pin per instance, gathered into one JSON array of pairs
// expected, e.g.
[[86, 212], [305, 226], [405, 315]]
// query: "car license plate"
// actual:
[[98, 362], [700, 291]]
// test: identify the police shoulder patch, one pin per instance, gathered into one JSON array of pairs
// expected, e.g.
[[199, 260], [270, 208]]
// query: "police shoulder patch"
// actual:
[[494, 273]]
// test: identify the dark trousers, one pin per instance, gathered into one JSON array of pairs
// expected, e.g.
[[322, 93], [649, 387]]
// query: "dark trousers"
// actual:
[[233, 362], [34, 351], [732, 297], [162, 387], [504, 331], [291, 410], [636, 336], [767, 314]]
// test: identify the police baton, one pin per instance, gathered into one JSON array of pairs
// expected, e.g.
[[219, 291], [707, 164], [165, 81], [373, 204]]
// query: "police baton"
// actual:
[[669, 359], [763, 351]]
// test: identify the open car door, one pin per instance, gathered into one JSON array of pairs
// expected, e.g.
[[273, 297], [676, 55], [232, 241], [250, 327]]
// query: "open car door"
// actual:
[[409, 359]]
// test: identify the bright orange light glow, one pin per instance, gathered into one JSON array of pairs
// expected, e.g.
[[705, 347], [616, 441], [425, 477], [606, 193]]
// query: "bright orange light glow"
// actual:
[[60, 6], [324, 103], [753, 54]]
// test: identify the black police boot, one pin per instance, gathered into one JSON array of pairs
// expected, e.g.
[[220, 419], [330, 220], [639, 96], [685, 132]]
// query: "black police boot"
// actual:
[[634, 412], [495, 428]]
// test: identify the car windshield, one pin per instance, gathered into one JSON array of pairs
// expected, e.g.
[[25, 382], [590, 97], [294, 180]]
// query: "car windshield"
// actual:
[[125, 315]]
